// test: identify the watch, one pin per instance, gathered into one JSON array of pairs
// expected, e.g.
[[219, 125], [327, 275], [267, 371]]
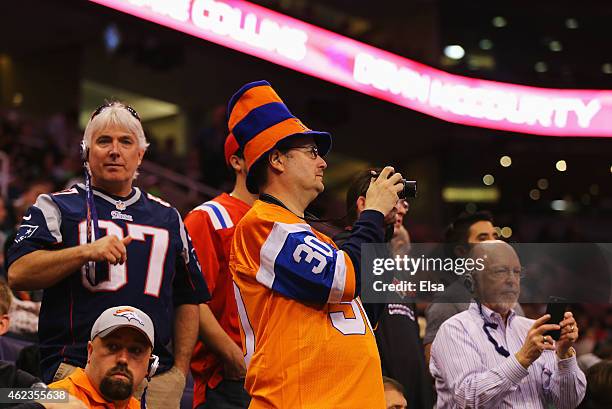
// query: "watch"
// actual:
[[570, 353]]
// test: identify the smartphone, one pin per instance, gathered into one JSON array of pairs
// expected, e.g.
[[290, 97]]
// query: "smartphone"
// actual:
[[556, 308]]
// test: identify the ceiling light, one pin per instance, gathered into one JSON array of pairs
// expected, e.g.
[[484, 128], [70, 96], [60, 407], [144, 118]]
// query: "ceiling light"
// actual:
[[571, 23], [112, 38], [465, 194], [555, 46], [17, 99], [540, 66], [534, 194], [505, 161], [543, 184], [506, 232], [454, 52], [561, 165], [499, 22], [488, 179], [606, 68], [485, 44], [559, 205]]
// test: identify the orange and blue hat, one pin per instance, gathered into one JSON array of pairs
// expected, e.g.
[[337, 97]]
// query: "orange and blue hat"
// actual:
[[258, 119]]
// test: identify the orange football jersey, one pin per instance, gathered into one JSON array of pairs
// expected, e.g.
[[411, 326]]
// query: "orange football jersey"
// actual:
[[78, 385], [211, 227], [306, 338]]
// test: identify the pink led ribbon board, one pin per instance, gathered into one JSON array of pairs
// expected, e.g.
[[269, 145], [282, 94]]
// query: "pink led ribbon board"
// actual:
[[320, 53]]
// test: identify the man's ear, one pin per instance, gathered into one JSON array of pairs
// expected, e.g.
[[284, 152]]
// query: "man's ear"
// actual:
[[237, 164], [140, 156], [276, 160], [360, 204], [89, 349]]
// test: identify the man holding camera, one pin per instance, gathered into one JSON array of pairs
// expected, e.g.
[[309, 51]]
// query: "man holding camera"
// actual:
[[307, 341], [396, 327], [488, 357]]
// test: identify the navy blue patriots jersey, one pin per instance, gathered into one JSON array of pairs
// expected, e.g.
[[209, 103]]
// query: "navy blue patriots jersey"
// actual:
[[161, 271]]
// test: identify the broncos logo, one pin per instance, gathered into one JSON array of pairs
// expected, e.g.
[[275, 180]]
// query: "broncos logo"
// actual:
[[129, 315]]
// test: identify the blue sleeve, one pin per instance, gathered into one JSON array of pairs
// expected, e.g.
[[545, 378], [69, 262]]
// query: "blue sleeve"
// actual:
[[188, 286], [306, 268], [297, 264], [39, 229], [369, 228]]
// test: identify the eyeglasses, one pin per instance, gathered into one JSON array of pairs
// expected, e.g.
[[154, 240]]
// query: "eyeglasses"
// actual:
[[313, 150], [110, 104]]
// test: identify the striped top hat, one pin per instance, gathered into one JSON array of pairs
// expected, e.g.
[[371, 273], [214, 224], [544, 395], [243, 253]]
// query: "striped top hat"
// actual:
[[258, 119]]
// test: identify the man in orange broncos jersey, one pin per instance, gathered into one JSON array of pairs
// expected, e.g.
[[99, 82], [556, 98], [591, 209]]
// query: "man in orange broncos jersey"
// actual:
[[306, 339], [217, 363]]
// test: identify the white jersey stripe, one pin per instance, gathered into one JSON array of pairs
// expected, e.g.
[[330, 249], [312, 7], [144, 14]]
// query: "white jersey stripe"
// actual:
[[337, 289], [212, 215], [249, 336], [219, 216], [183, 234], [224, 214], [53, 216]]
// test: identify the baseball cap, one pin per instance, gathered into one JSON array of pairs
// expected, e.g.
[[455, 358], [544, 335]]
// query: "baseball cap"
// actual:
[[230, 147], [120, 317]]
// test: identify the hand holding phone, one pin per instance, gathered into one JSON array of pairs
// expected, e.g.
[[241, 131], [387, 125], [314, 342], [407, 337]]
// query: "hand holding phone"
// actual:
[[556, 308]]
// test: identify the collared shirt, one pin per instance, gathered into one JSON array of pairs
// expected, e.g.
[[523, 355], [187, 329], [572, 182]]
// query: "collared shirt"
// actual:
[[470, 373], [79, 386]]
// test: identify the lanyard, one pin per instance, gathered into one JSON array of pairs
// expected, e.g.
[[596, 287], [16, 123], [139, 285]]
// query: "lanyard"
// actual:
[[485, 327], [92, 229], [264, 197]]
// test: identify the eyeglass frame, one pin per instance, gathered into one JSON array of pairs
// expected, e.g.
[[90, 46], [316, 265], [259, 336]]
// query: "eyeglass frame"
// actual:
[[312, 149]]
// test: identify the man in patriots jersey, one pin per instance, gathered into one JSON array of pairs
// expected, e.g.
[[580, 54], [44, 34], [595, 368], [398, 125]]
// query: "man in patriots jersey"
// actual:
[[306, 338], [217, 363], [108, 243]]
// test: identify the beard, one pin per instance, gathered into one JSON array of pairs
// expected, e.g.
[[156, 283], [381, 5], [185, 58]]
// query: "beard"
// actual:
[[117, 389], [503, 303]]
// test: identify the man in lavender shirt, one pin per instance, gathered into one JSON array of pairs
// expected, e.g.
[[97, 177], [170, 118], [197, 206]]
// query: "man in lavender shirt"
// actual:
[[488, 357]]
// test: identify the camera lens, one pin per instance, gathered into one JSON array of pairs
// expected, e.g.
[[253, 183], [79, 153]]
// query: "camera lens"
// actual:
[[409, 191], [410, 187]]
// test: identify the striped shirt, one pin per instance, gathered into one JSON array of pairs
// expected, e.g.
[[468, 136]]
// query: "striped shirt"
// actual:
[[470, 373]]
